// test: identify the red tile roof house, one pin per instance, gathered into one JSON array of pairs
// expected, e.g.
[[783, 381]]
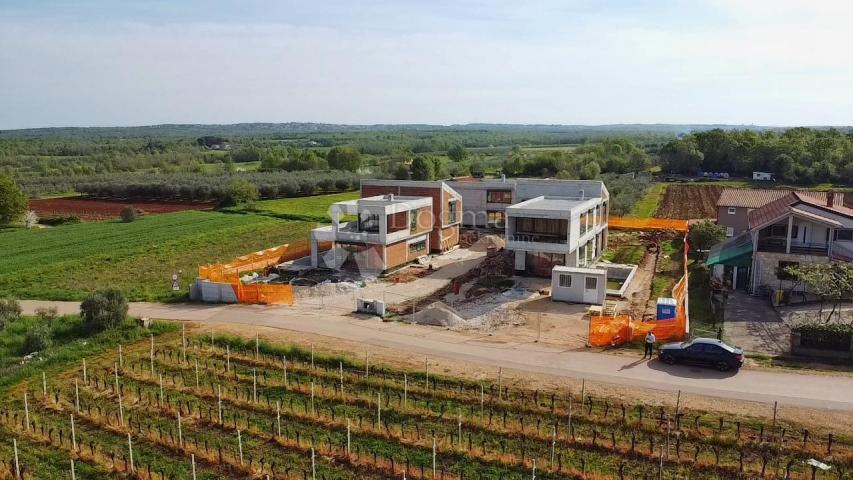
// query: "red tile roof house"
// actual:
[[796, 228], [734, 205]]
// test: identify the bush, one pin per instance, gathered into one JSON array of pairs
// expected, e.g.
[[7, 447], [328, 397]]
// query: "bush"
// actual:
[[60, 220], [241, 191], [36, 340], [104, 309], [128, 214], [10, 310], [47, 314]]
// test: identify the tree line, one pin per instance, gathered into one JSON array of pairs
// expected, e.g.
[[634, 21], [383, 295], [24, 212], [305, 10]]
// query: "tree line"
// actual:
[[797, 155], [215, 187]]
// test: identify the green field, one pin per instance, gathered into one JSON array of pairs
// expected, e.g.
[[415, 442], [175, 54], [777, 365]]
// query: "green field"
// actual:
[[649, 203], [70, 261], [302, 208]]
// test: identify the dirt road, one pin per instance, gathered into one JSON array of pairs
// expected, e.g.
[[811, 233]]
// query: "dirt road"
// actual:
[[334, 319]]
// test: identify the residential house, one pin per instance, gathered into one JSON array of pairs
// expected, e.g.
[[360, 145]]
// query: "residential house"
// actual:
[[797, 228], [447, 206], [734, 205], [388, 231], [485, 200], [549, 231]]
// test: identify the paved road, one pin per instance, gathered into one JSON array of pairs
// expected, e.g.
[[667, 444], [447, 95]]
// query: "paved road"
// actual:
[[334, 320]]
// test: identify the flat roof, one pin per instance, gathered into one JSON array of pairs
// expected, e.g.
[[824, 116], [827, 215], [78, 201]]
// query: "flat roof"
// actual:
[[588, 271], [548, 203]]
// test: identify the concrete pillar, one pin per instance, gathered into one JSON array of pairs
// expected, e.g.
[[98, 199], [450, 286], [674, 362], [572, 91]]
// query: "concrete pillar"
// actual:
[[788, 235], [734, 277], [315, 254], [520, 260]]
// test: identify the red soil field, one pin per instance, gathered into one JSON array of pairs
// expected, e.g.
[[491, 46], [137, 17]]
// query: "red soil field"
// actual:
[[93, 209], [689, 202]]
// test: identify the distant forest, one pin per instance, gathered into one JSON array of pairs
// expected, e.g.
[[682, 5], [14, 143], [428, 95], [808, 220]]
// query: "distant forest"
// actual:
[[797, 155], [194, 162]]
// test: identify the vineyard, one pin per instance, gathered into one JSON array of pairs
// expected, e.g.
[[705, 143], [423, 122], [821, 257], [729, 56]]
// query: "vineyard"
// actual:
[[209, 407]]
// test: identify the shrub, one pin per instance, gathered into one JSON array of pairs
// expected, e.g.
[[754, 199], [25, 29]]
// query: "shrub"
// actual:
[[47, 314], [104, 309], [60, 220], [36, 340], [240, 191], [128, 214], [31, 219], [10, 310]]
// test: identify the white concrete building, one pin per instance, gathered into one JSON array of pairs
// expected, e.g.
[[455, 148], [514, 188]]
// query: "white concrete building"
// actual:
[[547, 231]]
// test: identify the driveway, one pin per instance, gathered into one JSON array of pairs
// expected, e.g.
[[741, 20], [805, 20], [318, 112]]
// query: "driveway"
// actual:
[[752, 324], [335, 320]]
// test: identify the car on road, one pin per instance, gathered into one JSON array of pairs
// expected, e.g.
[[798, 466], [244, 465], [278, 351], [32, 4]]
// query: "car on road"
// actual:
[[703, 351]]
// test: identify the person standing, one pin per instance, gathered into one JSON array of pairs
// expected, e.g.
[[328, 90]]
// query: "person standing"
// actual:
[[650, 345]]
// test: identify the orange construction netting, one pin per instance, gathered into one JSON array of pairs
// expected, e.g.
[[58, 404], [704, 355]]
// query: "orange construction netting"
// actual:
[[636, 223], [619, 329], [270, 294]]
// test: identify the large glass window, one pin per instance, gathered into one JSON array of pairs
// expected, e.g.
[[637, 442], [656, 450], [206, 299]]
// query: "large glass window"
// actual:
[[413, 220], [844, 235], [368, 222], [497, 219], [452, 214], [499, 196]]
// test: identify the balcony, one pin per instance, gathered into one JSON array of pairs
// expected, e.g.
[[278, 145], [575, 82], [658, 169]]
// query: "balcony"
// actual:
[[537, 243], [778, 245]]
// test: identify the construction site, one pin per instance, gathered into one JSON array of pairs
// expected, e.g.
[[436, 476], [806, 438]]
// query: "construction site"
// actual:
[[398, 263]]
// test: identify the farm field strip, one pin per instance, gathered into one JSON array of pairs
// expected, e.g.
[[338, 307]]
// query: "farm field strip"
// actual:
[[689, 202], [99, 209], [242, 417]]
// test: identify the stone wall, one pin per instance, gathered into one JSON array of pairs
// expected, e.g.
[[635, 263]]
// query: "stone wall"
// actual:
[[766, 264]]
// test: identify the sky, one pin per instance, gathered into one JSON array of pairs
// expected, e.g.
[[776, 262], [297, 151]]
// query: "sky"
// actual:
[[124, 62]]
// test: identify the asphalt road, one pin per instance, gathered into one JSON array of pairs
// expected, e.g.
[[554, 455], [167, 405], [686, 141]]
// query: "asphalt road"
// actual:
[[334, 319]]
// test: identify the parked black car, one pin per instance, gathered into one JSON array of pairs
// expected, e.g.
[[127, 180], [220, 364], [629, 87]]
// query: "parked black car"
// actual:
[[704, 351]]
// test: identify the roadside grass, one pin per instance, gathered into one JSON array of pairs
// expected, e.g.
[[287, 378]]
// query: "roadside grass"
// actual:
[[71, 341], [649, 203], [70, 261]]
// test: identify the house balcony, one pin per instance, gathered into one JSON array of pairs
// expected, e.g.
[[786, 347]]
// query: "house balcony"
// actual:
[[779, 245], [537, 243]]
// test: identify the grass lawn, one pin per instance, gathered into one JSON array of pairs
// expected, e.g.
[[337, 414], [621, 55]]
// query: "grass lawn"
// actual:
[[649, 203]]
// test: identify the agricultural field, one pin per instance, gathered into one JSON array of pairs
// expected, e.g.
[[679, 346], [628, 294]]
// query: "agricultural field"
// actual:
[[689, 202], [70, 261], [648, 204], [221, 407], [314, 208], [92, 209]]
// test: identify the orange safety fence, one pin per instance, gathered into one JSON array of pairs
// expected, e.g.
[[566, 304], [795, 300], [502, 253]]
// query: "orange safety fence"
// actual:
[[271, 294], [616, 330], [636, 223]]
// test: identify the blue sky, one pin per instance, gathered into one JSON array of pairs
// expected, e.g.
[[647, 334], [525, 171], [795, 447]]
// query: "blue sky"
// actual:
[[120, 62]]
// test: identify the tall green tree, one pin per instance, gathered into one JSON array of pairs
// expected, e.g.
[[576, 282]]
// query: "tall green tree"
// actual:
[[705, 235], [344, 158], [13, 202], [423, 168], [457, 153]]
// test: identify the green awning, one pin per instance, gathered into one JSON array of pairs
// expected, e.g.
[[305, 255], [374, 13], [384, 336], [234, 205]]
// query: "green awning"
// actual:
[[735, 251]]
